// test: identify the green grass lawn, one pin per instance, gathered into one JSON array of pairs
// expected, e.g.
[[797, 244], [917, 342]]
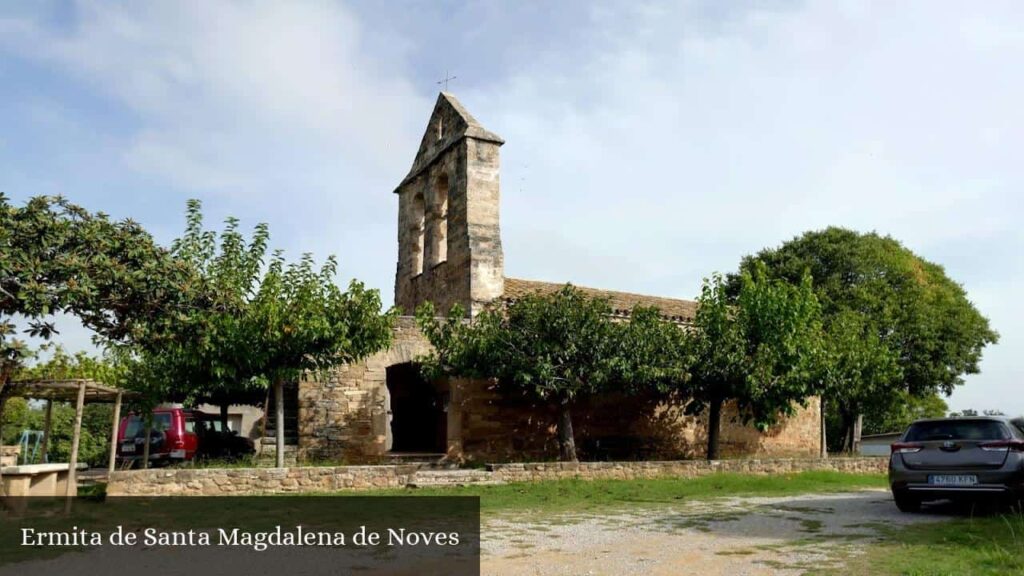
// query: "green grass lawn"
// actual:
[[981, 546], [579, 495]]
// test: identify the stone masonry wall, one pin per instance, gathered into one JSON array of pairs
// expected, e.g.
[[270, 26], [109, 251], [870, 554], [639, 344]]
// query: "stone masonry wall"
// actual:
[[345, 418], [496, 428], [248, 481], [452, 192]]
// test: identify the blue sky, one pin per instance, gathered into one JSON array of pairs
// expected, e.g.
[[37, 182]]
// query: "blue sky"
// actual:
[[648, 144]]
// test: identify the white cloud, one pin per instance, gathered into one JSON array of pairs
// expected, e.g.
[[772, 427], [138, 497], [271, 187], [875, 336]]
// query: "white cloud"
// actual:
[[216, 86], [649, 144], [677, 145], [266, 110]]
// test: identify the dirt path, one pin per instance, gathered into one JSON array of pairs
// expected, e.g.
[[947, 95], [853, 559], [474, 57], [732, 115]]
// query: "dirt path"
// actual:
[[737, 536]]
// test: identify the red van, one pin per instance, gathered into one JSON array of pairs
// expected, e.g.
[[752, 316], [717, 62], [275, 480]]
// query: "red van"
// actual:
[[174, 436], [179, 435]]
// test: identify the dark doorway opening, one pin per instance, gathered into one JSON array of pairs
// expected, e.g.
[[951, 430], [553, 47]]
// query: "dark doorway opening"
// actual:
[[418, 418]]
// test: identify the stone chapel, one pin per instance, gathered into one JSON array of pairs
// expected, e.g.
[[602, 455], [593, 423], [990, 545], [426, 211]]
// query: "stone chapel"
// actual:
[[449, 252]]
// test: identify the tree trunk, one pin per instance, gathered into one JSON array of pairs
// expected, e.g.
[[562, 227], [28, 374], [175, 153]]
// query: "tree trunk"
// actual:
[[858, 426], [76, 442], [714, 428], [279, 420], [566, 439], [149, 440], [224, 418], [846, 421]]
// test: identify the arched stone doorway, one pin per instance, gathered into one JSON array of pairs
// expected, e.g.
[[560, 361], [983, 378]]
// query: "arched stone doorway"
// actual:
[[417, 411]]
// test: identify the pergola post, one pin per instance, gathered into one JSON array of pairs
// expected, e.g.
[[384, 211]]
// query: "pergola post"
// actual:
[[3, 400], [72, 488], [824, 427], [47, 423], [114, 429]]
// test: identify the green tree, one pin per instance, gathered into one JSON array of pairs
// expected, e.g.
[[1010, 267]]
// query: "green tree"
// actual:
[[905, 309], [758, 348], [653, 354], [214, 358], [300, 321], [265, 325], [56, 257], [555, 348], [857, 373], [898, 415]]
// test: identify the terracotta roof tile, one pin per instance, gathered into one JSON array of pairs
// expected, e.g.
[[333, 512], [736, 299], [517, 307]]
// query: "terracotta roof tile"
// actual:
[[622, 303]]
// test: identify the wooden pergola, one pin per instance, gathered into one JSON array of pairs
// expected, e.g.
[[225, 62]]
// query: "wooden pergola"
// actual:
[[79, 392]]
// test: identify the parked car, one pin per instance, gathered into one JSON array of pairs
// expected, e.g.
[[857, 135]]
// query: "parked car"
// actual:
[[958, 459], [178, 435]]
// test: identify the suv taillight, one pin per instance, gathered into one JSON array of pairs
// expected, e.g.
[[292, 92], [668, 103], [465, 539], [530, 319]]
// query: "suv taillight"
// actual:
[[906, 447], [1003, 446]]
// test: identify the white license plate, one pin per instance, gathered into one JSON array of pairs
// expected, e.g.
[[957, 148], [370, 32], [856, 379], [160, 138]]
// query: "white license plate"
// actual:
[[953, 479], [128, 448]]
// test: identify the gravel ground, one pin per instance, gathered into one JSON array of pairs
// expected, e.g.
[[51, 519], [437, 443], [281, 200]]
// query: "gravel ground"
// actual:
[[736, 536]]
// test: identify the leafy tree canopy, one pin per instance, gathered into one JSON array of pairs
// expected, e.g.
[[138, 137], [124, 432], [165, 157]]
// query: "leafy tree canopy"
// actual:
[[758, 348], [58, 257], [895, 325], [900, 413], [555, 348], [653, 354], [934, 332], [265, 322]]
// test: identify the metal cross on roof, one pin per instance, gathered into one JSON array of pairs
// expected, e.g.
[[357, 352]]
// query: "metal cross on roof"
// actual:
[[445, 80]]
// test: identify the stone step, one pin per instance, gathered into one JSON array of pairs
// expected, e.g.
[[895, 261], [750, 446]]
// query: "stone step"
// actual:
[[424, 459], [433, 478], [271, 461], [268, 454], [269, 445]]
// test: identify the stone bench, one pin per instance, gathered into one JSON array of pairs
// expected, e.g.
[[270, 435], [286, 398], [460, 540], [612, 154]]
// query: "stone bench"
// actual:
[[38, 480]]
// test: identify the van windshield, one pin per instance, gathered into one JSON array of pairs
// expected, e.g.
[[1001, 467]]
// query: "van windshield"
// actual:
[[957, 430], [136, 426]]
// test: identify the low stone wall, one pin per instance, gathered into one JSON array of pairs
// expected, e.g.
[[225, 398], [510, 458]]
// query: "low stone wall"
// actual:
[[245, 481], [532, 472]]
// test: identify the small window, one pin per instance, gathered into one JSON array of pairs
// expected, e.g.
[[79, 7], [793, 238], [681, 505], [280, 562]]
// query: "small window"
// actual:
[[437, 223], [416, 233], [190, 425], [957, 430], [136, 426]]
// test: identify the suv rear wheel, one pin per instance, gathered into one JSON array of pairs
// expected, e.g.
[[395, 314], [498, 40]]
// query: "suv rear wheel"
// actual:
[[905, 502]]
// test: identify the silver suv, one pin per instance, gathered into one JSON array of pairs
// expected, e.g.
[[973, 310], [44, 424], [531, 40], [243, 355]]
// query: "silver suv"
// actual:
[[957, 458]]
